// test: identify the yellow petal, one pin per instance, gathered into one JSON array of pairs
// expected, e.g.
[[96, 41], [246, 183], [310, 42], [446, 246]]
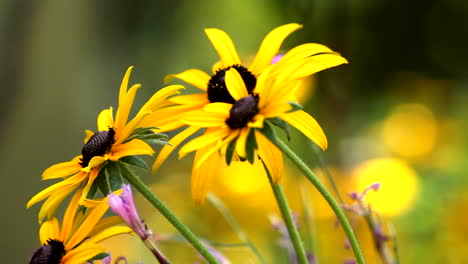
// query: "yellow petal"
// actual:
[[75, 179], [50, 229], [305, 123], [257, 122], [63, 169], [224, 47], [133, 147], [106, 223], [92, 176], [191, 99], [194, 77], [82, 253], [88, 135], [235, 84], [105, 120], [50, 206], [271, 155], [224, 108], [95, 214], [160, 96], [270, 47], [124, 85], [124, 110], [318, 63], [69, 216], [240, 143], [166, 119], [299, 53], [208, 138], [202, 175], [110, 232], [216, 67], [96, 161], [204, 119], [216, 148], [174, 143]]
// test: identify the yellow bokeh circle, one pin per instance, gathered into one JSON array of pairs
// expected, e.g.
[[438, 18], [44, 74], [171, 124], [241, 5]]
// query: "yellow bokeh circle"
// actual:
[[399, 184]]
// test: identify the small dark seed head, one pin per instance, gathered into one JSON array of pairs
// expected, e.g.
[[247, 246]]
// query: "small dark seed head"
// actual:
[[243, 111], [217, 90], [50, 253], [99, 144]]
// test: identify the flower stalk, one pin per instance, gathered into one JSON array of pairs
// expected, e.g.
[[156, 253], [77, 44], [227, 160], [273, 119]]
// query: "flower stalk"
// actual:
[[288, 219], [133, 179], [325, 194]]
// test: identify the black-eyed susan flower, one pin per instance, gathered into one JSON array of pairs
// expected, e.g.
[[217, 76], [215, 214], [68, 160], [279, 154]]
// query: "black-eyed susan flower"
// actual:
[[76, 240], [233, 130], [311, 56], [116, 138]]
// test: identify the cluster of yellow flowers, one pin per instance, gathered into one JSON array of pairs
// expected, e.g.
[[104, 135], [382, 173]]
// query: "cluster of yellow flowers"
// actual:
[[236, 103]]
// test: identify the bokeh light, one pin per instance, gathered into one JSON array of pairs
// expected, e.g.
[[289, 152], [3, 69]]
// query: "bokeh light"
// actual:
[[399, 184], [410, 131]]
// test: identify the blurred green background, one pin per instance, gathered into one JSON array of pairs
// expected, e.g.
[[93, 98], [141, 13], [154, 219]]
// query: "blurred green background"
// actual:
[[397, 113]]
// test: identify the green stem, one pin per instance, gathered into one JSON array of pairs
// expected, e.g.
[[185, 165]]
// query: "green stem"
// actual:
[[135, 181], [288, 220], [218, 204], [326, 194]]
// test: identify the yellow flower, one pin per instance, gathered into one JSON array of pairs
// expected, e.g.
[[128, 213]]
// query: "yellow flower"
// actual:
[[112, 142], [233, 129], [311, 58], [76, 240]]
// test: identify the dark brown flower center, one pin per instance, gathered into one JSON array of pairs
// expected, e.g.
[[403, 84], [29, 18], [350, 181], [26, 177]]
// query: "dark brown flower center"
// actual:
[[217, 90], [243, 111], [99, 144], [50, 253]]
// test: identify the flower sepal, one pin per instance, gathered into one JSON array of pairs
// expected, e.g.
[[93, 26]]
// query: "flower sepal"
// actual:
[[280, 123], [109, 179], [148, 135]]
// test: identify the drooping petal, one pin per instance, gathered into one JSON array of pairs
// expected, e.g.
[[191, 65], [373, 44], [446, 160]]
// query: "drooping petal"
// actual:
[[299, 53], [271, 155], [92, 176], [220, 145], [270, 47], [224, 47], [240, 143], [194, 77], [50, 229], [174, 143], [133, 147], [235, 84], [105, 120], [75, 179], [305, 123], [191, 99], [95, 161], [49, 207], [62, 170], [201, 176], [106, 223]]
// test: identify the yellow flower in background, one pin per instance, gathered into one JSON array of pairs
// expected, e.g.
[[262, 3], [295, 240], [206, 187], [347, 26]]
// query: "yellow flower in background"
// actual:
[[234, 126], [399, 184], [112, 142], [76, 240]]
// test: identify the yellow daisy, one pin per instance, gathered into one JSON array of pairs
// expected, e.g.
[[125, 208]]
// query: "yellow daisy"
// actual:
[[233, 129], [314, 57], [113, 141], [76, 240]]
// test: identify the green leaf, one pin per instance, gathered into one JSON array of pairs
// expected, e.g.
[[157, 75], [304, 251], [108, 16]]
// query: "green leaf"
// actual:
[[251, 146], [281, 124], [295, 106], [268, 131], [114, 176], [99, 257], [135, 161], [148, 135], [230, 151], [101, 182]]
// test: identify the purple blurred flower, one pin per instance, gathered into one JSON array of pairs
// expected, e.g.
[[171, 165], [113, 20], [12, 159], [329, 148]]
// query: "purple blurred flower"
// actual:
[[277, 58], [124, 206], [349, 261]]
